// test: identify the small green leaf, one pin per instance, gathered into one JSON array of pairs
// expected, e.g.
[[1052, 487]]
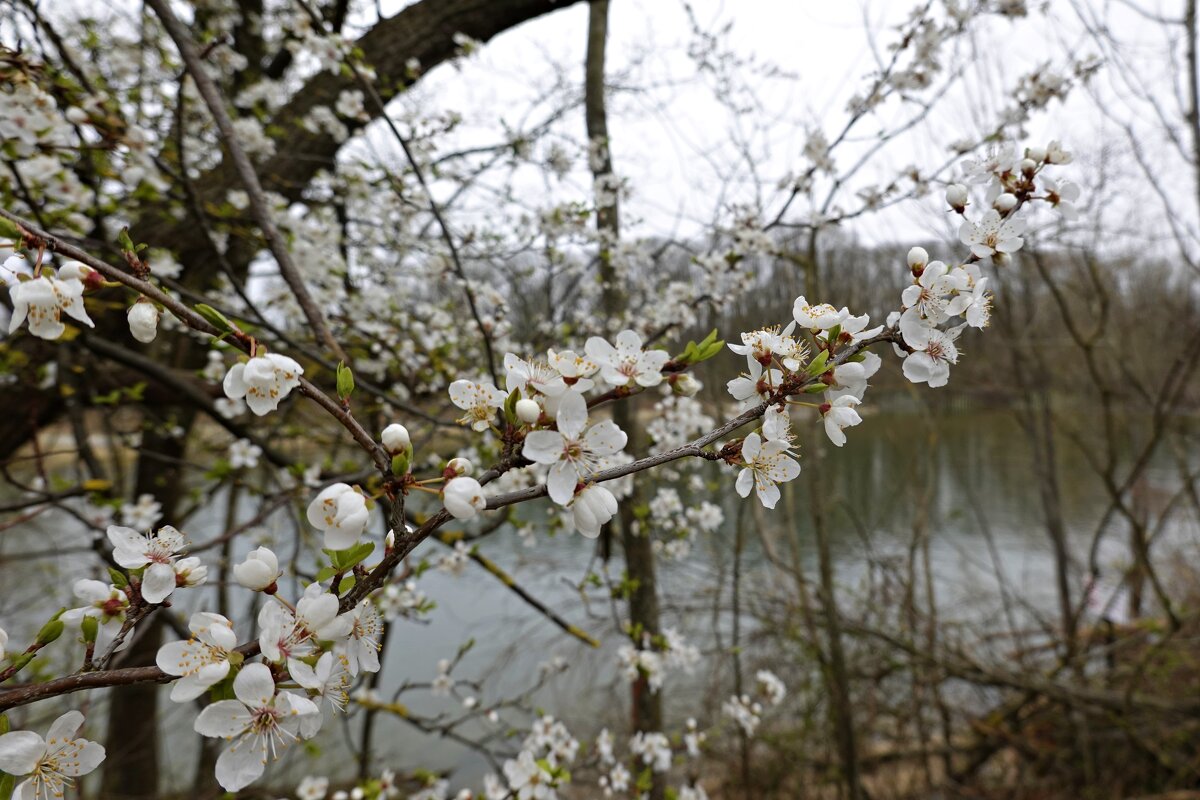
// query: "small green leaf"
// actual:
[[214, 317], [345, 382], [817, 365]]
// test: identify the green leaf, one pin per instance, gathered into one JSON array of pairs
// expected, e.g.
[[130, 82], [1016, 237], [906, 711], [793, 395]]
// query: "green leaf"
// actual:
[[325, 573], [347, 584], [817, 365], [214, 317], [50, 631], [345, 381]]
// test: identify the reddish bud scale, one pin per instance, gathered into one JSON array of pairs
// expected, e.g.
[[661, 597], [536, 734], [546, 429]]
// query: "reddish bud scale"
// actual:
[[272, 589], [449, 473], [570, 381], [917, 270], [112, 607], [762, 387], [845, 338], [764, 359], [827, 378], [824, 408], [93, 280]]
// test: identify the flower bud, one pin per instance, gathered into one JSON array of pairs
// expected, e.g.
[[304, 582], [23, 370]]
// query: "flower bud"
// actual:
[[76, 115], [1036, 154], [389, 541], [89, 627], [259, 571], [528, 411], [143, 321], [918, 257], [460, 466], [74, 270], [49, 632], [1028, 166], [956, 196], [1005, 202], [685, 385], [463, 497], [395, 438]]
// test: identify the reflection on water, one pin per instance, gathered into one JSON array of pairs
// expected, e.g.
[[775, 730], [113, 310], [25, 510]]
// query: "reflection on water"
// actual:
[[970, 477]]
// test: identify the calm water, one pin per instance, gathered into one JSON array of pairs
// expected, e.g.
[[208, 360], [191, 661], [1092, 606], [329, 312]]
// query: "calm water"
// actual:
[[975, 472]]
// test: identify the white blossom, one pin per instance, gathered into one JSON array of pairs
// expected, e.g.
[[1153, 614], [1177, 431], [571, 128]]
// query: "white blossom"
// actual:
[[258, 571], [479, 400], [42, 302], [203, 660], [341, 513], [463, 497], [263, 381], [627, 363], [839, 414], [51, 764], [572, 454], [765, 465], [992, 234], [258, 724]]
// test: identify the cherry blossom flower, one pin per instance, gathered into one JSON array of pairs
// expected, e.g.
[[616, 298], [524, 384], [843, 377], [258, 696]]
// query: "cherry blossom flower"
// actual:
[[572, 454], [143, 514], [840, 414], [244, 453], [156, 553], [463, 497], [203, 660], [1056, 155], [362, 644], [288, 636], [263, 381], [998, 160], [770, 686], [850, 378], [654, 748], [765, 465], [532, 377], [819, 317], [627, 363], [592, 508], [756, 386], [3, 642], [928, 295], [576, 370], [106, 604], [931, 361], [992, 234], [51, 764], [259, 723], [143, 321], [526, 778], [479, 400], [42, 302], [1062, 196], [258, 571], [312, 788], [341, 513], [329, 678]]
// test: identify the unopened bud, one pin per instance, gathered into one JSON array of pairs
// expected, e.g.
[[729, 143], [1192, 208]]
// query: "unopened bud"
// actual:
[[528, 411], [1005, 202], [49, 632], [459, 466], [956, 196], [1036, 154], [685, 385], [1028, 166], [395, 438], [89, 627], [918, 257], [389, 541]]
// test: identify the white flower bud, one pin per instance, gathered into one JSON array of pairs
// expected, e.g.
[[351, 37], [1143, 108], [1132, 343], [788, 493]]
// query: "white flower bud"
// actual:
[[463, 497], [1036, 154], [685, 385], [143, 321], [258, 571], [389, 541], [918, 257], [395, 438], [76, 115], [460, 466], [1028, 166], [956, 196], [528, 411], [1005, 202]]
